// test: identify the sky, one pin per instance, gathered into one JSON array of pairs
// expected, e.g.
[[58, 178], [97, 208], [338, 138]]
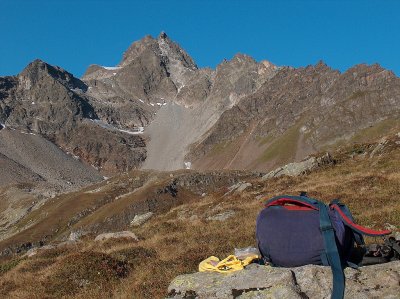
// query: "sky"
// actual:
[[76, 33]]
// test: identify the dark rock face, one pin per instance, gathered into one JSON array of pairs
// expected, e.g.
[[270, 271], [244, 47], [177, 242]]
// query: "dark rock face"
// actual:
[[112, 151]]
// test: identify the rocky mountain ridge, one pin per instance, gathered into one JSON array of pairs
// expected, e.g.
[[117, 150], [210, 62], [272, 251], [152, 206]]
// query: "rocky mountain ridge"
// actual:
[[158, 110], [300, 111], [180, 102]]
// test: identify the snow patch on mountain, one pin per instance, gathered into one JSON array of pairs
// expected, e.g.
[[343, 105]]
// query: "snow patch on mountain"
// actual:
[[135, 131], [111, 68]]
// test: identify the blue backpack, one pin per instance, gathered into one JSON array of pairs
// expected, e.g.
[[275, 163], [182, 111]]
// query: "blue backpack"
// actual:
[[293, 231]]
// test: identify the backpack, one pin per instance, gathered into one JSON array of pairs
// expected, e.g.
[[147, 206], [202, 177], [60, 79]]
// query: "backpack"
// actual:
[[293, 231]]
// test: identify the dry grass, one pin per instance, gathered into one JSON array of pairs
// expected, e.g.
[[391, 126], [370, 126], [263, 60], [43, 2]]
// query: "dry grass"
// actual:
[[175, 241]]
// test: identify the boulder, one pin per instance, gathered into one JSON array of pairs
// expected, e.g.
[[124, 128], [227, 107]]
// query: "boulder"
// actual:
[[117, 235], [311, 281], [140, 219], [222, 216]]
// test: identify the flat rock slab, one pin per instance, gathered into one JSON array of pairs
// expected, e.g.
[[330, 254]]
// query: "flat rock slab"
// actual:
[[376, 281]]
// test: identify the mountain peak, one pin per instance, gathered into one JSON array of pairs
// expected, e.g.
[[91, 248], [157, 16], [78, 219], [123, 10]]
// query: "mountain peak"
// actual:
[[34, 71], [137, 48], [39, 69], [36, 64], [162, 35], [321, 63]]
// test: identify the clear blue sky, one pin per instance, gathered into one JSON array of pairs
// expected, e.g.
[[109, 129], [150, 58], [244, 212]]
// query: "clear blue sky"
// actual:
[[76, 33]]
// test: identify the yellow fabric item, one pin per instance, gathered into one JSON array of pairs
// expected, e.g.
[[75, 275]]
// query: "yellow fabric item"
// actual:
[[227, 265]]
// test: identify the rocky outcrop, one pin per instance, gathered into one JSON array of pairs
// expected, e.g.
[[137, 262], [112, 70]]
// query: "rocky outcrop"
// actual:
[[221, 216], [238, 188], [117, 235], [377, 281], [202, 182], [303, 167]]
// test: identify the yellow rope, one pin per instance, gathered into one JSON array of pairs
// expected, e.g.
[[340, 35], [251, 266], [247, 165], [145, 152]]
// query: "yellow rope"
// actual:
[[227, 265]]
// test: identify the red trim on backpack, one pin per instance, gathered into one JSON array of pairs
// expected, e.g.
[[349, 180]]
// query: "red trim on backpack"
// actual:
[[297, 204], [297, 208], [360, 228]]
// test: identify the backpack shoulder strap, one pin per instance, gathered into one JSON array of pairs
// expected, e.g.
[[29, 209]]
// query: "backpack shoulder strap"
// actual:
[[358, 237], [331, 251], [349, 222]]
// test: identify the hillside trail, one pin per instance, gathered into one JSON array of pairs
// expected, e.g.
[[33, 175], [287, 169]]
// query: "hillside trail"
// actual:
[[242, 146]]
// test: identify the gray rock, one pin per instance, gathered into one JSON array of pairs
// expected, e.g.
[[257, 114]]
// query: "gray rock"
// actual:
[[117, 235], [379, 147], [214, 285], [187, 215], [243, 186], [222, 216], [390, 226], [74, 236], [238, 187], [377, 281], [140, 219]]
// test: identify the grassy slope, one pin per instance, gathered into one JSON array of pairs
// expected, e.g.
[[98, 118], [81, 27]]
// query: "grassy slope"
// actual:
[[175, 241], [272, 151]]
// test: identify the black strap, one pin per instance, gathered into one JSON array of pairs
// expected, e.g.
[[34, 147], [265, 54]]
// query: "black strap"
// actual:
[[392, 243]]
